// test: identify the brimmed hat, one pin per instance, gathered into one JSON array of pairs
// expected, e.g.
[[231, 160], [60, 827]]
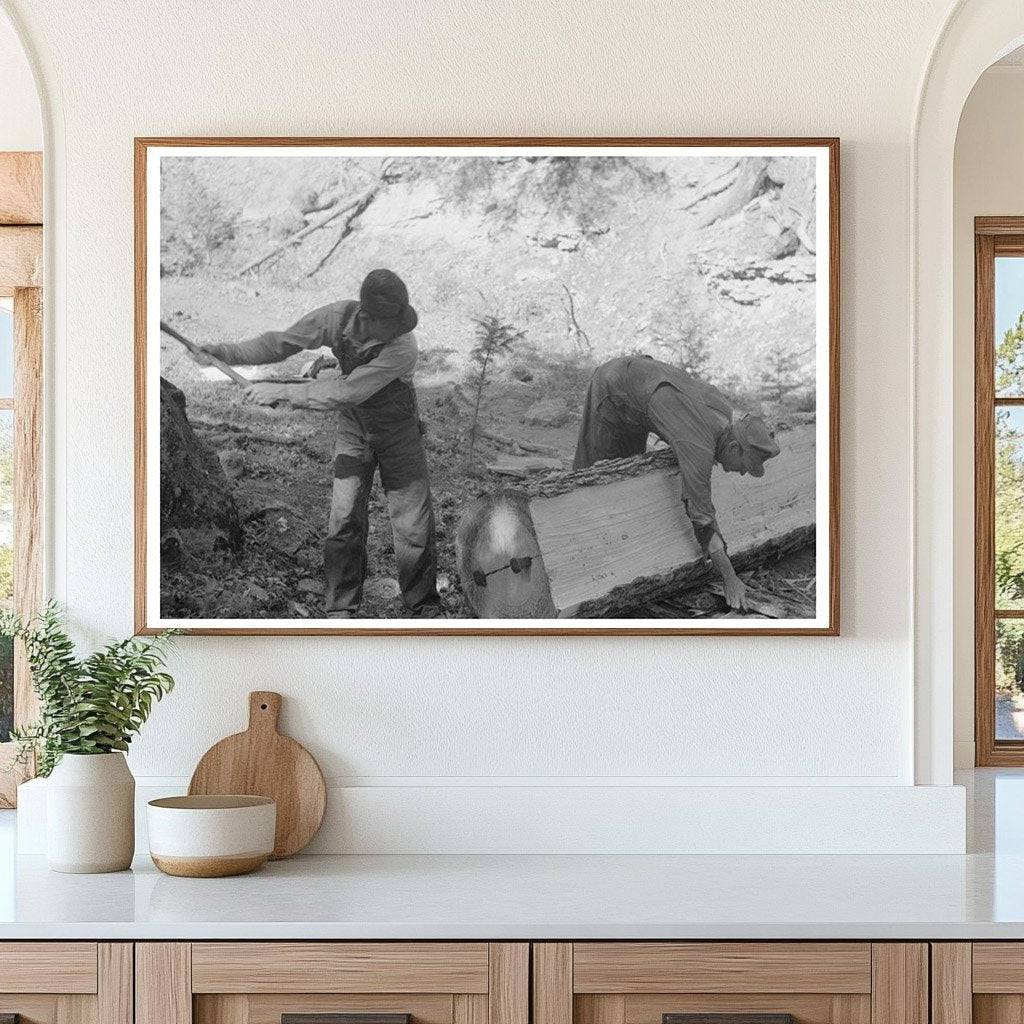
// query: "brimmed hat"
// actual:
[[383, 296], [757, 441]]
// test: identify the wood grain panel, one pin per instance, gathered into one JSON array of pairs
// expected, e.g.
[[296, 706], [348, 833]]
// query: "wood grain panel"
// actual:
[[998, 967], [997, 1009], [807, 1009], [339, 967], [267, 1009], [21, 188], [998, 225], [951, 983], [552, 983], [599, 1009], [469, 1008], [33, 1009], [984, 498], [634, 967], [163, 983], [48, 967], [76, 1009], [28, 483], [508, 990], [899, 990], [225, 1009], [851, 1009], [115, 984], [21, 258]]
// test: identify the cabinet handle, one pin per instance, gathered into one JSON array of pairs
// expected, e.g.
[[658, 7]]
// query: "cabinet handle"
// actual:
[[337, 1018], [728, 1018]]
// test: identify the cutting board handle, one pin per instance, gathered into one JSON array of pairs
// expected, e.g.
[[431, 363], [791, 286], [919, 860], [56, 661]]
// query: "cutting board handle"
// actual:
[[264, 711]]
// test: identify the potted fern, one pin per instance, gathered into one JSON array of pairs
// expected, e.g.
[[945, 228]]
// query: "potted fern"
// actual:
[[89, 710]]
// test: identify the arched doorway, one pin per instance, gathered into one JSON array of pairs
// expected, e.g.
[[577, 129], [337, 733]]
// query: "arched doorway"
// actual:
[[21, 215], [976, 33]]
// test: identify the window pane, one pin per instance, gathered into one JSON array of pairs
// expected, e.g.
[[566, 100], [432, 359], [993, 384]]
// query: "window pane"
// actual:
[[1009, 679], [1009, 325], [1009, 485], [6, 350], [6, 566]]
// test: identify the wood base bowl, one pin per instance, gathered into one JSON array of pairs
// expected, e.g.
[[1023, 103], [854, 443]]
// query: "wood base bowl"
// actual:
[[211, 836]]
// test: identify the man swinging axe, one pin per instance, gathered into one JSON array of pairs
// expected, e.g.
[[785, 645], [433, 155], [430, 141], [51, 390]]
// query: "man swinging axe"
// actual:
[[378, 428], [633, 396]]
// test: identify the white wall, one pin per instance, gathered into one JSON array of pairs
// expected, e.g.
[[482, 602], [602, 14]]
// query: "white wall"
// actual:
[[444, 713], [21, 125], [988, 181]]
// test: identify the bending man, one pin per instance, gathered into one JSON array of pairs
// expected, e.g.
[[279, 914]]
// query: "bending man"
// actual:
[[378, 427], [633, 396]]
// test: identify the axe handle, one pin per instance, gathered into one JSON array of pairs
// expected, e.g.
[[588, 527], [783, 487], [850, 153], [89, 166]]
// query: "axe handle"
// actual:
[[214, 361]]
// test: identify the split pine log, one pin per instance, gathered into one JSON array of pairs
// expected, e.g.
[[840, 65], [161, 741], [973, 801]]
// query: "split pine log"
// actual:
[[615, 536]]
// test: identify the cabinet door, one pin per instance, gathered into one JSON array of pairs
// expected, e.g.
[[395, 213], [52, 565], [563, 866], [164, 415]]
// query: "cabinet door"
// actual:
[[980, 982], [314, 982], [747, 982], [66, 982]]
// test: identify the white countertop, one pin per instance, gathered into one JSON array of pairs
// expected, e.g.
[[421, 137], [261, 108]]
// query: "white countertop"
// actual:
[[532, 897], [978, 896]]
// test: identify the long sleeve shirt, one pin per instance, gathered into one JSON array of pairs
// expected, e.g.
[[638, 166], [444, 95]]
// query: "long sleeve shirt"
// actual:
[[326, 326], [688, 414]]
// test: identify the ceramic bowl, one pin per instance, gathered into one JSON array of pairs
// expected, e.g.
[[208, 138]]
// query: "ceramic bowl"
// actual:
[[211, 836]]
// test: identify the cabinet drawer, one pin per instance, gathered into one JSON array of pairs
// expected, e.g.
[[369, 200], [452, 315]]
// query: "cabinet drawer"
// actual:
[[340, 967], [48, 967], [66, 982], [262, 982], [635, 967], [749, 982]]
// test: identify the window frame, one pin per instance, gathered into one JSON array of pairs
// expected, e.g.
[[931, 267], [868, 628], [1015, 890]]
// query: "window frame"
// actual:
[[21, 255], [993, 237]]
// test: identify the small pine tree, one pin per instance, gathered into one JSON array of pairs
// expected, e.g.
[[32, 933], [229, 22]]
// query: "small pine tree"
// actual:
[[781, 375], [495, 339], [695, 354]]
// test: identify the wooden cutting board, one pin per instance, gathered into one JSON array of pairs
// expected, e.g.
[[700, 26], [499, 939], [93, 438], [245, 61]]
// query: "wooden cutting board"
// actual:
[[262, 762]]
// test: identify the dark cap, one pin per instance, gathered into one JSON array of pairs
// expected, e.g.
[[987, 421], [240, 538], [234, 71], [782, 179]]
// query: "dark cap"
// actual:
[[757, 442], [383, 296]]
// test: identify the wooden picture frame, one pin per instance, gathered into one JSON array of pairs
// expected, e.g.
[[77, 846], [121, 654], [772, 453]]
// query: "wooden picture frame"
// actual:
[[21, 263], [826, 623]]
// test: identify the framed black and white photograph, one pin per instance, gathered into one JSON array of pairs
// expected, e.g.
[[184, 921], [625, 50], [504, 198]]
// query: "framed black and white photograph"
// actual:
[[443, 386]]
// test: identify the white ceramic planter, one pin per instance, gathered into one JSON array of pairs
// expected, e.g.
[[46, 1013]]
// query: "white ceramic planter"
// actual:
[[90, 814]]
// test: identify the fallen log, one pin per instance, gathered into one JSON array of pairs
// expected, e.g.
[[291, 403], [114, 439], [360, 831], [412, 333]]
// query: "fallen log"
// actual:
[[615, 536], [614, 539], [524, 466], [359, 202], [751, 180]]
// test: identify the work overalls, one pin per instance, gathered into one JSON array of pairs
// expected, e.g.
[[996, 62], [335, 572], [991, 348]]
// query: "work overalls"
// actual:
[[382, 432]]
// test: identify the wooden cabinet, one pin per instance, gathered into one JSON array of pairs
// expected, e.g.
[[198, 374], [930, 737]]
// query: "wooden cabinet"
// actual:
[[815, 982], [980, 982], [66, 982], [259, 982], [494, 983]]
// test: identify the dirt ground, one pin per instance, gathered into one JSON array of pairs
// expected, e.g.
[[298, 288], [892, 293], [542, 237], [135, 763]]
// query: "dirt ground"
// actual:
[[278, 461]]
